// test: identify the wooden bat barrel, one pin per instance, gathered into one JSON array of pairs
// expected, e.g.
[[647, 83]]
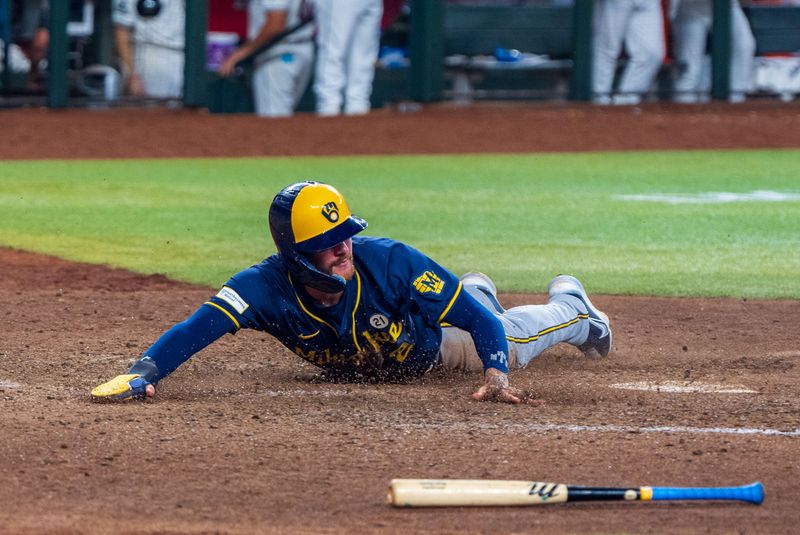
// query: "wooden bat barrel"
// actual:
[[469, 492]]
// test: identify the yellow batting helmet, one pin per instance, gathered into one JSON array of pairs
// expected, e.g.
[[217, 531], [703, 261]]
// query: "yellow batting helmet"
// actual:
[[308, 217]]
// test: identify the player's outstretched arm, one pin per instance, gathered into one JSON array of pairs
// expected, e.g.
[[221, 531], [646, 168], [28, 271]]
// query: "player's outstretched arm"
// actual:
[[171, 350], [490, 342]]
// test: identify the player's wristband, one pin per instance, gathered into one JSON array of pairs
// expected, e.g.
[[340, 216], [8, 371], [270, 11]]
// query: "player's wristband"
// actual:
[[146, 367]]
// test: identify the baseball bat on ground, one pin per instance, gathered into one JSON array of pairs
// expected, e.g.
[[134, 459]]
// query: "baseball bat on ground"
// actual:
[[466, 492]]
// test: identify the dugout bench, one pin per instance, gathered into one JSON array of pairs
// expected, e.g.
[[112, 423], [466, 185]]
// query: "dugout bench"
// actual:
[[776, 29], [516, 52]]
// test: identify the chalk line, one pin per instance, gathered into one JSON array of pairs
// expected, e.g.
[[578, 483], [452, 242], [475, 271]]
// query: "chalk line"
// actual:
[[713, 197], [607, 428], [683, 387]]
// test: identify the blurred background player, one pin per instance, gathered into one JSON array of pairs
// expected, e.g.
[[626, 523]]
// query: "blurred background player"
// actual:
[[150, 36], [282, 72], [690, 29], [348, 39], [639, 26], [29, 21]]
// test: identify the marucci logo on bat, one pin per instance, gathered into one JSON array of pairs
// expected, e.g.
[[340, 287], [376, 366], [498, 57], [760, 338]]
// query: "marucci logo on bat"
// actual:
[[543, 490]]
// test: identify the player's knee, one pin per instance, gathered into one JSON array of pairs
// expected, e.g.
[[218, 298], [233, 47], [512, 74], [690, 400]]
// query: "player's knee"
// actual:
[[743, 45], [649, 56]]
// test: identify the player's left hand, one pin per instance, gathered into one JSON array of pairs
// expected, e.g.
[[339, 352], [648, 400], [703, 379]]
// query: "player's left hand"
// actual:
[[124, 387], [496, 388], [136, 86]]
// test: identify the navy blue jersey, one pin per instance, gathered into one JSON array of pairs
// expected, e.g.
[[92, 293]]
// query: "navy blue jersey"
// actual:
[[387, 323]]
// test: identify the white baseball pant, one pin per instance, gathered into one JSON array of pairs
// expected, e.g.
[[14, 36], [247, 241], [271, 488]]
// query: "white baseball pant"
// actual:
[[348, 37], [160, 69], [639, 26], [691, 26], [530, 329], [280, 80]]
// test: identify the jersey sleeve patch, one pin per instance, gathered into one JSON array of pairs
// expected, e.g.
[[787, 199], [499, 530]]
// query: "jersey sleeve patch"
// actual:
[[233, 299], [429, 282]]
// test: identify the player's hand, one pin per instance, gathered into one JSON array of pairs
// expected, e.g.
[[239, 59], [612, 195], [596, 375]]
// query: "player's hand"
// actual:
[[136, 86], [496, 388], [124, 387], [229, 66]]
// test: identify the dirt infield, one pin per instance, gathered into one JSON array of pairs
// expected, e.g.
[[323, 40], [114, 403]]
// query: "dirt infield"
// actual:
[[153, 133], [242, 439]]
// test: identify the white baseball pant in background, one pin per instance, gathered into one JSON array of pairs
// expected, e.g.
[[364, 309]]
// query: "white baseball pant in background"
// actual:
[[160, 69], [690, 27], [280, 81], [282, 72], [639, 26], [530, 329], [158, 54], [348, 37]]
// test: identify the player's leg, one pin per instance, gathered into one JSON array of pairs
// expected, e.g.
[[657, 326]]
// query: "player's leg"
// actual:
[[29, 31], [644, 44], [304, 62], [482, 288], [690, 29], [362, 55], [530, 329], [334, 19], [160, 69], [569, 317], [609, 23], [37, 50], [172, 73], [743, 49], [458, 352], [598, 341], [260, 85], [274, 84]]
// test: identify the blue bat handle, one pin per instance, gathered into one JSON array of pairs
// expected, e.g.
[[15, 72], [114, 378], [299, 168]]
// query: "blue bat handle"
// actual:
[[753, 493]]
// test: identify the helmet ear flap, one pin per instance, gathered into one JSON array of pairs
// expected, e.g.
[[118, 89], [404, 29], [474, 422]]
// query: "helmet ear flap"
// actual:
[[306, 274]]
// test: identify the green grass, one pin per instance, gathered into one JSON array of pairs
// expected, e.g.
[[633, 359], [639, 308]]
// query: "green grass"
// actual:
[[519, 218]]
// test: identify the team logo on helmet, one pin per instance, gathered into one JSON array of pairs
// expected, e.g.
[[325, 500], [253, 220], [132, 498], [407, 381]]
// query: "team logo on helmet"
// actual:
[[331, 212]]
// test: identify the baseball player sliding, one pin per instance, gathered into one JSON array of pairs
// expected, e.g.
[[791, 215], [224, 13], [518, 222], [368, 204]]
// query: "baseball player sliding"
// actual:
[[366, 307]]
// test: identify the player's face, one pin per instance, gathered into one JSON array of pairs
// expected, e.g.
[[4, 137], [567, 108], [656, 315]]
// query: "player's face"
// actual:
[[338, 260]]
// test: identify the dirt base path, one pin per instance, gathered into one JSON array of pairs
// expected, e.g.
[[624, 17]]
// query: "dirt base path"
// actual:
[[242, 439]]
